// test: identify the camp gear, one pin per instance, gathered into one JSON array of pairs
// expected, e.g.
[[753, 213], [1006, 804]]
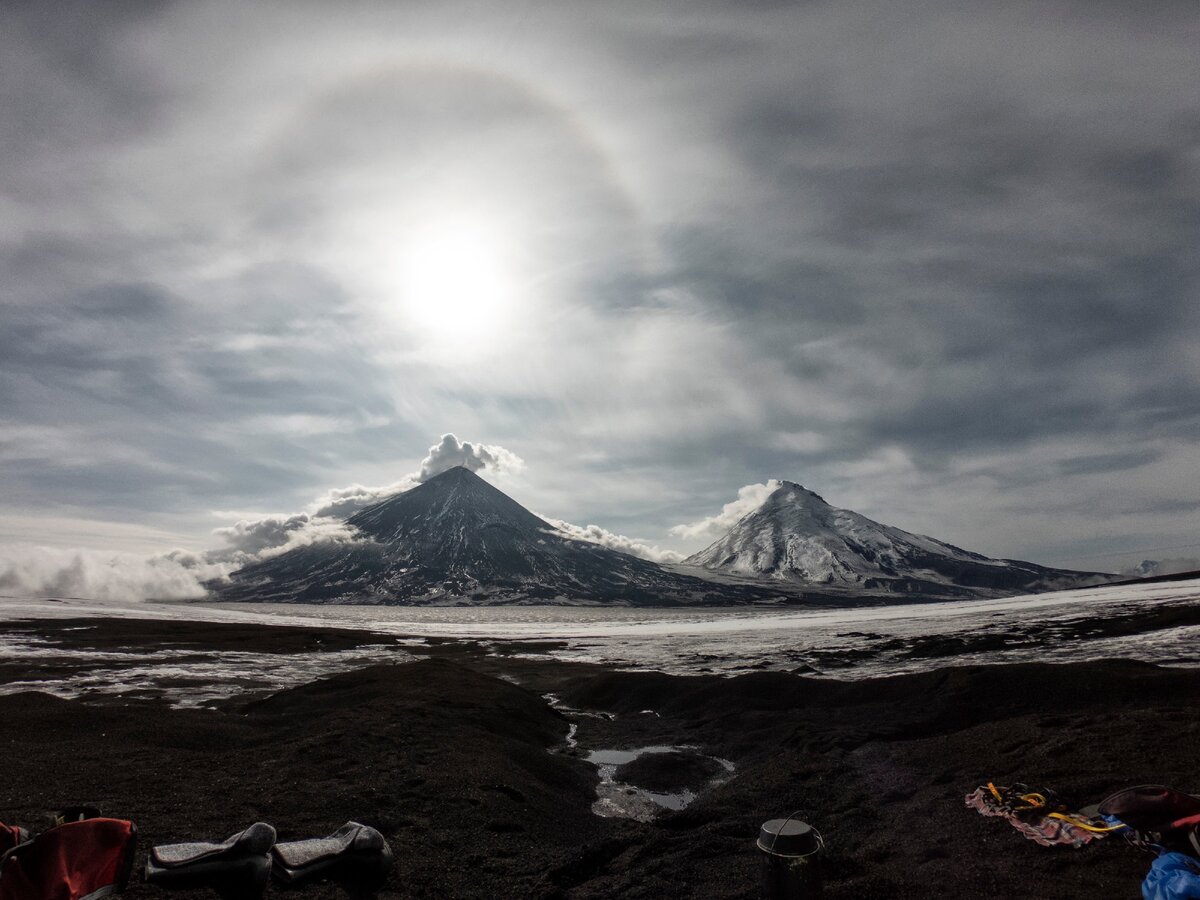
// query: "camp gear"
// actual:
[[1174, 876], [791, 862], [1157, 815], [1038, 814], [237, 868], [76, 814], [81, 860], [356, 856], [11, 836]]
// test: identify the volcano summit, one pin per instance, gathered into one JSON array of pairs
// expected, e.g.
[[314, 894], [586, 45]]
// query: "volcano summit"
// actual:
[[456, 538], [796, 537]]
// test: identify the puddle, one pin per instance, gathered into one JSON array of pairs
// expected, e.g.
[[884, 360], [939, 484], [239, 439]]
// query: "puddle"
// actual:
[[619, 799], [616, 799]]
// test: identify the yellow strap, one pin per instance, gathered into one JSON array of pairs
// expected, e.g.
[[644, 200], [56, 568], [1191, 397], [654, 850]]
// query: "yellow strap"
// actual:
[[1036, 801], [1078, 823], [1033, 801]]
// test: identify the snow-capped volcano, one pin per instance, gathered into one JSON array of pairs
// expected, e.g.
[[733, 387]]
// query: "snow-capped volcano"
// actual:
[[796, 537], [456, 538]]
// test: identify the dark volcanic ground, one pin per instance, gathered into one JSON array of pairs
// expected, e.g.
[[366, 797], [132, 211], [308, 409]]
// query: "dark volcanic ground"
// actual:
[[471, 779]]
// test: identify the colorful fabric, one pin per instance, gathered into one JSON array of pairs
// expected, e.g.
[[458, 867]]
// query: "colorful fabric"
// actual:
[[77, 861], [1034, 822], [1174, 876]]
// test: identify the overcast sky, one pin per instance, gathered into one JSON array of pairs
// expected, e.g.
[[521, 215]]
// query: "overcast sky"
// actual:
[[936, 261]]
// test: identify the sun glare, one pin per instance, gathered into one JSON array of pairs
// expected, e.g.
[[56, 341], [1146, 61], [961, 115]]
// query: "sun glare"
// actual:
[[457, 287]]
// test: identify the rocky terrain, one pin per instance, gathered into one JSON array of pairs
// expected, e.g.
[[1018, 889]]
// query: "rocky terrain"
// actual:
[[482, 785]]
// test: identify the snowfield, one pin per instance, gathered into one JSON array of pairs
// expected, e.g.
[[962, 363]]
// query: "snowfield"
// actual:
[[1155, 623]]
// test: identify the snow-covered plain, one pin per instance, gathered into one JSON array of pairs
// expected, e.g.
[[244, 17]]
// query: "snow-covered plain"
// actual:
[[845, 643]]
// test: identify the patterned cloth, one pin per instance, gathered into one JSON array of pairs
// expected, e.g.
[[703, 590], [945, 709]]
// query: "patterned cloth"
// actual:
[[1036, 825]]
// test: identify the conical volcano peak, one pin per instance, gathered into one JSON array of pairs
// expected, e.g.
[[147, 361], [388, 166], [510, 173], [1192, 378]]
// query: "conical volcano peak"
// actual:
[[454, 504], [457, 476], [454, 473], [794, 491], [457, 537], [791, 502], [796, 536]]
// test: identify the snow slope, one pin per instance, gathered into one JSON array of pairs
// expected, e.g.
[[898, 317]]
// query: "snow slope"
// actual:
[[456, 538], [798, 538]]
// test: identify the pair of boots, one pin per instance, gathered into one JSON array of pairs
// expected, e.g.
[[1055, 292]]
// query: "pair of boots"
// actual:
[[239, 868]]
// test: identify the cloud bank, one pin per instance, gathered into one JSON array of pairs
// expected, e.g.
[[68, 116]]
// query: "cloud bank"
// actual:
[[596, 535], [32, 571], [262, 538], [749, 498]]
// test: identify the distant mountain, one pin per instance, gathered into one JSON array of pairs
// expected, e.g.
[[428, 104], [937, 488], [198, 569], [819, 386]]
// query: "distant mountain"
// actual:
[[456, 538], [1147, 568], [1151, 571], [797, 538], [1162, 568]]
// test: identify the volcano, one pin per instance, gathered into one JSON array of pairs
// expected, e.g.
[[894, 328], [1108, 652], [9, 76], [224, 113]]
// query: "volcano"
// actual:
[[797, 538], [457, 539]]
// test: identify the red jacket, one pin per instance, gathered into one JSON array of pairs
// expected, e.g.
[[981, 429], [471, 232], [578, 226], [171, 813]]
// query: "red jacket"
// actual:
[[83, 860]]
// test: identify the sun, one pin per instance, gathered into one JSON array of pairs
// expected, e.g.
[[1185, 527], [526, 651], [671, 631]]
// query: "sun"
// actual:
[[457, 284]]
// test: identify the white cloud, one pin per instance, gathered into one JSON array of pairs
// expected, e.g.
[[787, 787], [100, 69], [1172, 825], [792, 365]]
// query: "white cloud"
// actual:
[[271, 535], [254, 536], [34, 571], [597, 535], [750, 497], [450, 453], [446, 454], [341, 503], [316, 531]]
